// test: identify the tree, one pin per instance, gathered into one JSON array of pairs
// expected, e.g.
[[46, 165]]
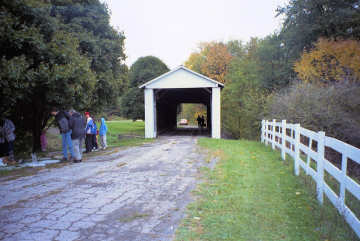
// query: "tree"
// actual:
[[275, 67], [217, 61], [44, 65], [143, 70], [236, 48], [243, 97], [243, 103], [308, 20], [89, 21], [212, 60], [330, 61], [194, 62]]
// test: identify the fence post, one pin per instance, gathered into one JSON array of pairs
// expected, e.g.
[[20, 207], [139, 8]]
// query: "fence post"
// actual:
[[342, 183], [320, 167], [266, 132], [283, 139], [273, 134], [297, 149], [262, 130]]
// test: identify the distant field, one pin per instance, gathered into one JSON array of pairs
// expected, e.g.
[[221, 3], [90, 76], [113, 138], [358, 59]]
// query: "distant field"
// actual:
[[126, 127], [126, 133]]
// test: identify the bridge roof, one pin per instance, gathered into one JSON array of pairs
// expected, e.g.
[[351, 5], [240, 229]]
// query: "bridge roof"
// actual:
[[181, 78]]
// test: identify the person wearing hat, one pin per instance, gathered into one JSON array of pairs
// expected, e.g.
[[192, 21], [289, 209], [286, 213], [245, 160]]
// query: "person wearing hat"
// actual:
[[90, 125]]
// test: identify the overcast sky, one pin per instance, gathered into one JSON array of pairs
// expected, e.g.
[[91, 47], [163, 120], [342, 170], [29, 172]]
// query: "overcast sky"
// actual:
[[171, 30]]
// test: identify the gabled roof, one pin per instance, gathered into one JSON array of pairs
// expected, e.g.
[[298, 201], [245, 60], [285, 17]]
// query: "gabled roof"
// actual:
[[179, 68]]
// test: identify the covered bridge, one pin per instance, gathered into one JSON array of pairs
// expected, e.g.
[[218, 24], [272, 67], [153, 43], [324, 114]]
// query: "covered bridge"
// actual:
[[180, 85]]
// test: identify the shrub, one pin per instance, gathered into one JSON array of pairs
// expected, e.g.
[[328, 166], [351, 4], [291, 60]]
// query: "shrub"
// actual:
[[242, 108], [334, 109]]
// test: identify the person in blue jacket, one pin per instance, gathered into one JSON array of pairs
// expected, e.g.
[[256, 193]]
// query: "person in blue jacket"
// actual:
[[94, 132], [89, 132], [102, 133]]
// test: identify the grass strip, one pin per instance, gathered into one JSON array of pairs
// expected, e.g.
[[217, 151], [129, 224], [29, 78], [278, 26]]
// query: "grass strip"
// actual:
[[253, 195]]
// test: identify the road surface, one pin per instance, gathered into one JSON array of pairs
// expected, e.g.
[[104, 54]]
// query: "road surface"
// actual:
[[135, 194]]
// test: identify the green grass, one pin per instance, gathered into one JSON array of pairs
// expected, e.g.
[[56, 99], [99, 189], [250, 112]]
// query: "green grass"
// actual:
[[126, 127], [253, 195], [131, 133]]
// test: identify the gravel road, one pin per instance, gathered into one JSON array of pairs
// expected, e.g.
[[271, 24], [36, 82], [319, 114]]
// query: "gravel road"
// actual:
[[135, 194]]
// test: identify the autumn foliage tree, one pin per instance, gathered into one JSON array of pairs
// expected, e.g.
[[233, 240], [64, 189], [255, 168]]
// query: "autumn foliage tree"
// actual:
[[212, 60], [217, 62], [330, 61], [195, 61]]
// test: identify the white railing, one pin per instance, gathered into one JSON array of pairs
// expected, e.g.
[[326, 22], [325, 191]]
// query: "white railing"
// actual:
[[274, 133]]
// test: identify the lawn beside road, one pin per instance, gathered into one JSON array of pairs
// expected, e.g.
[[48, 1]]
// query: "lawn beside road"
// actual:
[[253, 195], [125, 133]]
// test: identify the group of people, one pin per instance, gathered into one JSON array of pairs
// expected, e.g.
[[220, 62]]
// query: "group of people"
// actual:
[[74, 129], [201, 121]]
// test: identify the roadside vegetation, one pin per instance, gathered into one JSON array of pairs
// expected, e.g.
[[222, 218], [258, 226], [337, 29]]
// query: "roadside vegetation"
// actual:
[[253, 195]]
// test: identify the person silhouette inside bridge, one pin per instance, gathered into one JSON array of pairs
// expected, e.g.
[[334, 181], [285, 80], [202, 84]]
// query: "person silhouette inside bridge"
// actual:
[[199, 121], [202, 122]]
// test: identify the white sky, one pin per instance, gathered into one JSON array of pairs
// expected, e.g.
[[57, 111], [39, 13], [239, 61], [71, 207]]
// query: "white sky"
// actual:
[[171, 30]]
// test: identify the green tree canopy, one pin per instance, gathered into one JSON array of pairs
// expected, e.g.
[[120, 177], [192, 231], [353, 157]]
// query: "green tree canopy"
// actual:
[[46, 62], [308, 20], [143, 70]]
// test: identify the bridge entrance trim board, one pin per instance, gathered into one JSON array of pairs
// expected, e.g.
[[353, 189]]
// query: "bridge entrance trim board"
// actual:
[[180, 85]]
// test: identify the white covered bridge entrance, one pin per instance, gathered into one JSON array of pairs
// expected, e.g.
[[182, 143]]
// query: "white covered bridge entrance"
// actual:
[[181, 85]]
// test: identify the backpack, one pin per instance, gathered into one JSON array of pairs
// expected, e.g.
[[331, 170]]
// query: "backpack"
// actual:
[[64, 125]]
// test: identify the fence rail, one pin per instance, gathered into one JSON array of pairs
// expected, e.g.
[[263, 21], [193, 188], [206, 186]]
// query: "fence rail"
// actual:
[[286, 137]]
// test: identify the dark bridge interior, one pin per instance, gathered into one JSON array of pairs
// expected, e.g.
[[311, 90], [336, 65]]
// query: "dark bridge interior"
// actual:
[[167, 101]]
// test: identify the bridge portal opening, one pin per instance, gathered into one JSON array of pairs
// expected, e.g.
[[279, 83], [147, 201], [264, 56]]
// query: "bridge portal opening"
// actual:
[[177, 111], [188, 114]]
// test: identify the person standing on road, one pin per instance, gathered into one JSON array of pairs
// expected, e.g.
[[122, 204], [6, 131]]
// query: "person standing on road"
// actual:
[[88, 129], [94, 133], [102, 133], [199, 121], [202, 121], [62, 120], [7, 138], [77, 126]]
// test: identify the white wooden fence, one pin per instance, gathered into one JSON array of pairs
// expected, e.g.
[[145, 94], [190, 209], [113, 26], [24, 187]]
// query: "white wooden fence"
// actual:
[[274, 133]]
